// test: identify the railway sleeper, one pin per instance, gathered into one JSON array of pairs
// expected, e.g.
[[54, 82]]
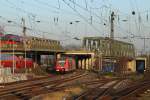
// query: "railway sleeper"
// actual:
[[21, 96], [93, 95]]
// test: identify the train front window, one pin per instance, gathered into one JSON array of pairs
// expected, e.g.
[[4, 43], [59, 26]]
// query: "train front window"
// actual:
[[61, 63]]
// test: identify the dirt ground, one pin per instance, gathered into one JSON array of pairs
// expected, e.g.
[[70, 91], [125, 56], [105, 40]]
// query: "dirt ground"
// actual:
[[145, 95], [60, 95]]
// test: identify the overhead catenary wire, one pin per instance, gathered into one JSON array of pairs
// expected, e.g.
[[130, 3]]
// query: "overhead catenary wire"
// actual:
[[30, 24], [58, 9], [81, 16], [51, 6], [34, 30], [91, 17], [73, 2], [21, 9], [30, 29], [85, 9], [18, 8], [29, 13], [45, 4]]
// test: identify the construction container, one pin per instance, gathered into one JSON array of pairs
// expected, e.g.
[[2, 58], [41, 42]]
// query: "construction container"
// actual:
[[140, 64], [131, 66]]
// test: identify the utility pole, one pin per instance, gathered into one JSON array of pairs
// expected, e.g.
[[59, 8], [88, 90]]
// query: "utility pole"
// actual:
[[112, 38], [24, 39], [144, 44], [24, 27], [112, 26]]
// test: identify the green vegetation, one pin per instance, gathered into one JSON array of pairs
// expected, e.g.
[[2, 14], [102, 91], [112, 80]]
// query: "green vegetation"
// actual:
[[39, 71], [136, 77], [108, 74]]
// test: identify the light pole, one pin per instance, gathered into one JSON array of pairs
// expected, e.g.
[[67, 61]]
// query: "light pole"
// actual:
[[13, 67], [13, 59], [1, 32], [0, 51], [100, 60]]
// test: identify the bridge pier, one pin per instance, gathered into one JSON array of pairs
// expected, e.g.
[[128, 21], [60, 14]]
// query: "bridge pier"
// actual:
[[84, 62], [36, 57]]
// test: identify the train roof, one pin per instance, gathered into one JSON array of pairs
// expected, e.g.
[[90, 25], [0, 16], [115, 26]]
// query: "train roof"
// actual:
[[12, 53]]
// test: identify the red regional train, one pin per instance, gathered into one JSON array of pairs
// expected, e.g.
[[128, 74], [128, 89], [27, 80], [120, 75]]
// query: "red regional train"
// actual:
[[65, 64]]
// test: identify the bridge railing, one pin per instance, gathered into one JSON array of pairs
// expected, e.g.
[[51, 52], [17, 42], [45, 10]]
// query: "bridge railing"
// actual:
[[33, 45], [17, 46]]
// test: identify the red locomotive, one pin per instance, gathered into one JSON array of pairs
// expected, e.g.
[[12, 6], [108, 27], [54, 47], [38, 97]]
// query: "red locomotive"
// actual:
[[8, 60]]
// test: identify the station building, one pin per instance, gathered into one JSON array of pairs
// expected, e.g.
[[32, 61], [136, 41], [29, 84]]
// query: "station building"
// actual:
[[115, 54]]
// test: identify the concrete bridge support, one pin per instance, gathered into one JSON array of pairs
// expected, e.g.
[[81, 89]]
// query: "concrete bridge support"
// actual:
[[83, 63], [36, 57]]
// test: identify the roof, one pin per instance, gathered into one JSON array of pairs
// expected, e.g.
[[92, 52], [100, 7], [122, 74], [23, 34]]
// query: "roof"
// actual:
[[140, 58], [106, 38], [30, 37]]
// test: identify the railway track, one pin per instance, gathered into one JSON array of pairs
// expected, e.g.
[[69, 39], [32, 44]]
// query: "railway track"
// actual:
[[101, 92], [97, 92], [29, 89], [130, 91]]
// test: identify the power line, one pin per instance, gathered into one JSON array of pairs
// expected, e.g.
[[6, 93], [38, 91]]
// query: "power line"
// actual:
[[30, 29], [51, 6], [87, 10], [39, 6], [31, 14], [18, 8], [81, 16], [91, 12], [12, 5], [34, 30]]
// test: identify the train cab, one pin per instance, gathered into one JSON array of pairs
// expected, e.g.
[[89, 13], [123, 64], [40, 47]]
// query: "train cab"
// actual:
[[65, 64]]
